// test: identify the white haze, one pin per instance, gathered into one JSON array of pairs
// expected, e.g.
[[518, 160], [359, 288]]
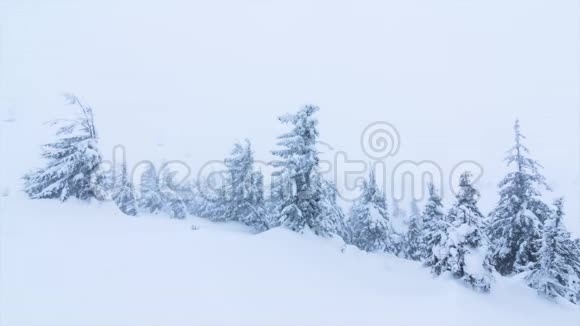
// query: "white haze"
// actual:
[[184, 80]]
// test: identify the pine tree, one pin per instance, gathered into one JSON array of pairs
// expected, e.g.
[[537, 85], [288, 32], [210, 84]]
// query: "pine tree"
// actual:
[[557, 273], [281, 192], [398, 212], [577, 242], [195, 199], [124, 194], [73, 168], [332, 217], [150, 199], [369, 218], [210, 203], [462, 250], [298, 165], [516, 222], [172, 194], [400, 224], [244, 192], [434, 225], [414, 237], [260, 219]]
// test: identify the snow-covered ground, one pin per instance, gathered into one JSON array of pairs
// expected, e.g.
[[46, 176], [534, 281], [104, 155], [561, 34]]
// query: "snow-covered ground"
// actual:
[[88, 264]]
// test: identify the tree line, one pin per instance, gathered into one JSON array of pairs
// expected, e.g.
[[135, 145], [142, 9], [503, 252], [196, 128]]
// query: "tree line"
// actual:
[[521, 236]]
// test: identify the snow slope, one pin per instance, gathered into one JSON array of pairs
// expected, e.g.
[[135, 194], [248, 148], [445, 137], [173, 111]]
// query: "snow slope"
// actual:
[[80, 264]]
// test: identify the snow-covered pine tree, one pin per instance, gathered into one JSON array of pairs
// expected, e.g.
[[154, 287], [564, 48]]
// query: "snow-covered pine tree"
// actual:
[[557, 273], [516, 221], [463, 249], [332, 216], [413, 244], [281, 192], [244, 189], [150, 199], [172, 194], [261, 218], [195, 199], [210, 200], [369, 220], [434, 225], [400, 224], [73, 168], [124, 193], [398, 212], [298, 166]]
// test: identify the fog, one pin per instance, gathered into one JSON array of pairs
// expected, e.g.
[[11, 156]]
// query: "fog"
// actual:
[[184, 80]]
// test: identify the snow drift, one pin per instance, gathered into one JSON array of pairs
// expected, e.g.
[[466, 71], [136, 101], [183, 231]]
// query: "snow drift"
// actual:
[[89, 264]]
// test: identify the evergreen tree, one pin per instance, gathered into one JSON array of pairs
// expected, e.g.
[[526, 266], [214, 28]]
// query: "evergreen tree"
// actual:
[[462, 250], [244, 190], [516, 222], [298, 165], [260, 218], [400, 225], [332, 217], [210, 203], [74, 161], [398, 213], [434, 225], [150, 199], [369, 218], [195, 199], [414, 237], [124, 194], [280, 194], [557, 273], [173, 194]]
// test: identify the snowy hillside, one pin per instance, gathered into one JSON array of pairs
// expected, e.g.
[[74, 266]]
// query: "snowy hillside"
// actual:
[[87, 263], [259, 162], [76, 264]]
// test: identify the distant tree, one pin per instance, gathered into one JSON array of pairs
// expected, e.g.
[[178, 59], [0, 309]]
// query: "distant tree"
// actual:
[[173, 193], [557, 273], [244, 190], [124, 193], [211, 197], [398, 212], [332, 217], [150, 198], [434, 225], [73, 168], [369, 218], [462, 250], [400, 222], [195, 199], [516, 222], [413, 244], [281, 192]]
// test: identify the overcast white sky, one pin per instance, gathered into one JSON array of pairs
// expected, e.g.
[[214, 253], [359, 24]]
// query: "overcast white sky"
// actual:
[[184, 79]]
